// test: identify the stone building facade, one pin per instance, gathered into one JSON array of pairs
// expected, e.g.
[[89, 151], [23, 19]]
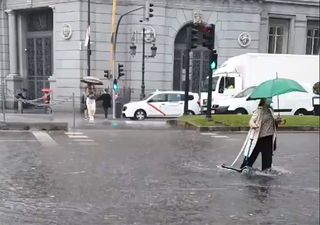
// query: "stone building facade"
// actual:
[[42, 42]]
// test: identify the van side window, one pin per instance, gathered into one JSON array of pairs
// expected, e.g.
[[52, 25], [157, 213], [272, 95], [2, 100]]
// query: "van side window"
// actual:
[[190, 97], [174, 97], [159, 98]]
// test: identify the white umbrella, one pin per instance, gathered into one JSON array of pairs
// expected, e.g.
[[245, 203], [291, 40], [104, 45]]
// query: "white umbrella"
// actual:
[[92, 80]]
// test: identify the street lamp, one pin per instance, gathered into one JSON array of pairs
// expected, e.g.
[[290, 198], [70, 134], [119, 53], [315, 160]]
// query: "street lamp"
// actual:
[[133, 51]]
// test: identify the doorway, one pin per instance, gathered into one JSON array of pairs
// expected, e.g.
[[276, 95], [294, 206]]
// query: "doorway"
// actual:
[[39, 51], [199, 62]]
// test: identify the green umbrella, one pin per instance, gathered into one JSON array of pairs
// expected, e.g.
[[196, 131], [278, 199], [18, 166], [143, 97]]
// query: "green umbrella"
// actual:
[[275, 87]]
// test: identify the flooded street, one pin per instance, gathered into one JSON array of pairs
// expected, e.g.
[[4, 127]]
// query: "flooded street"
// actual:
[[153, 177]]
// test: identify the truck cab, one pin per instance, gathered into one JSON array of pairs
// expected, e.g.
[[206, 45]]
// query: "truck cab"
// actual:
[[224, 86]]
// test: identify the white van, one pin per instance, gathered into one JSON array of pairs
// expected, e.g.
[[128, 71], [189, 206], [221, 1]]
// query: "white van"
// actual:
[[287, 103]]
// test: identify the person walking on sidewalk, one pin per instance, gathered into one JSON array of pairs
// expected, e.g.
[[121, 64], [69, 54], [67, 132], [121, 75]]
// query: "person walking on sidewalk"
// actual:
[[261, 136], [91, 102], [84, 105], [106, 101]]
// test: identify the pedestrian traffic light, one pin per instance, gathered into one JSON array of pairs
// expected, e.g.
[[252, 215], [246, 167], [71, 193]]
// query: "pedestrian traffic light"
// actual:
[[107, 74], [208, 36], [120, 70], [213, 60], [148, 11], [192, 37], [115, 86]]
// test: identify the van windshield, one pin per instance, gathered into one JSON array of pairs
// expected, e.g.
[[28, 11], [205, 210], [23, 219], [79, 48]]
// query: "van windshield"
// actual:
[[245, 92], [214, 84]]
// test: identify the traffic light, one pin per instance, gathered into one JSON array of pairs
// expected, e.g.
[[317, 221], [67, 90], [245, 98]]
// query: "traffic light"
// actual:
[[148, 11], [208, 36], [192, 37], [107, 74], [213, 60], [115, 86], [120, 70]]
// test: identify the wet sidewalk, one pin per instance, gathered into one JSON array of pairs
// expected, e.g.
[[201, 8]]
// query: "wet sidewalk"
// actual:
[[69, 121]]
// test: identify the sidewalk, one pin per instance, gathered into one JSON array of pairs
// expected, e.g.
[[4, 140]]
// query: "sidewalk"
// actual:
[[55, 121]]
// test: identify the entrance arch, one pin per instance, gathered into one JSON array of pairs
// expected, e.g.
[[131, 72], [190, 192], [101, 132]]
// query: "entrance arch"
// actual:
[[199, 61]]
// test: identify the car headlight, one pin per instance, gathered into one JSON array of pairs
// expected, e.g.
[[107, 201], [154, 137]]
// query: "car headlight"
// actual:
[[124, 108]]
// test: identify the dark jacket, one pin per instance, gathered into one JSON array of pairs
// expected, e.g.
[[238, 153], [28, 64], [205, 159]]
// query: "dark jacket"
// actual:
[[106, 99]]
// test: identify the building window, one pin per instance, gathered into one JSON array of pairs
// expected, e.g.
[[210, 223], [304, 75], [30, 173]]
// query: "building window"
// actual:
[[278, 36], [313, 38]]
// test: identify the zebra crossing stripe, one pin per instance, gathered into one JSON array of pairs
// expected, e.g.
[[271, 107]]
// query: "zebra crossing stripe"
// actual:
[[77, 136], [73, 133]]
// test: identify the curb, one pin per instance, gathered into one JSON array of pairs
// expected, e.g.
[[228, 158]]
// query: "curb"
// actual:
[[188, 125], [48, 126]]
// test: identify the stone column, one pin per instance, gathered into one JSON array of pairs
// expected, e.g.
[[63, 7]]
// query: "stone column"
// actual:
[[13, 80], [13, 50]]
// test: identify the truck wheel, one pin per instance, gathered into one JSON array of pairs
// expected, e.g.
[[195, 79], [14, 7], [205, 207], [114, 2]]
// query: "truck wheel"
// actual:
[[301, 112], [241, 111], [140, 114]]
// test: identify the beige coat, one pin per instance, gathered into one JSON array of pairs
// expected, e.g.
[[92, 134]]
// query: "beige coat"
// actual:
[[253, 134]]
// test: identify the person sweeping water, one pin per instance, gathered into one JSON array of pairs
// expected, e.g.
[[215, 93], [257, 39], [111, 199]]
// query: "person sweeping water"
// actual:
[[261, 136]]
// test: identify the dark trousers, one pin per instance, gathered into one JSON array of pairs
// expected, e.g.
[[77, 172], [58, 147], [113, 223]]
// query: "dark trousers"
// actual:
[[105, 108], [264, 145]]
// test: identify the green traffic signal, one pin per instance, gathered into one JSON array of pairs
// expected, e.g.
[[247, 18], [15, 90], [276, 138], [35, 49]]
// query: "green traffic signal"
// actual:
[[115, 85], [213, 65]]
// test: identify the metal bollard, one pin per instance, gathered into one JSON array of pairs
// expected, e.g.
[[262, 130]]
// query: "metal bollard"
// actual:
[[20, 106]]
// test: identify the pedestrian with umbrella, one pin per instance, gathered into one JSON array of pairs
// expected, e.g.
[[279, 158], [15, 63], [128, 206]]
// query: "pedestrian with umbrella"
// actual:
[[91, 95], [262, 134]]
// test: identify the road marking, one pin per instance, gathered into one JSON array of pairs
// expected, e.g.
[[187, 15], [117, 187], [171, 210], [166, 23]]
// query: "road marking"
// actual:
[[220, 136], [208, 134], [83, 140], [88, 143], [73, 133], [44, 138], [80, 139], [78, 136], [18, 140]]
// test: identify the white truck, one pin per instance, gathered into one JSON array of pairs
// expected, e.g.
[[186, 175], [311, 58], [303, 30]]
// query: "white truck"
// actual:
[[248, 70]]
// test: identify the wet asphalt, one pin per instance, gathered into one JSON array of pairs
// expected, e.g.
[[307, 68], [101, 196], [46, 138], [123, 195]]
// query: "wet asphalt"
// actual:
[[152, 175]]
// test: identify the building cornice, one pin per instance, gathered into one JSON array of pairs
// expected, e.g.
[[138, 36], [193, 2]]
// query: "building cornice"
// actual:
[[295, 2]]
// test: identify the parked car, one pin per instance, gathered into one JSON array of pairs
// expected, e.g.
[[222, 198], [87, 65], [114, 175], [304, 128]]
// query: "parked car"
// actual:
[[162, 104]]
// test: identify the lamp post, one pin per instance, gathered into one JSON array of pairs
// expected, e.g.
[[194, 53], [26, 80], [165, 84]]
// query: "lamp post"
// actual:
[[133, 51], [89, 47]]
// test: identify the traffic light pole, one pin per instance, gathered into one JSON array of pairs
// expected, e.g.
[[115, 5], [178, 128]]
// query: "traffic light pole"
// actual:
[[186, 87], [89, 47], [142, 95], [209, 98]]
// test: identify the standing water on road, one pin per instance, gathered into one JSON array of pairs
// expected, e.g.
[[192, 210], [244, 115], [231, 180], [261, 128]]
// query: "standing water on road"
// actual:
[[154, 177]]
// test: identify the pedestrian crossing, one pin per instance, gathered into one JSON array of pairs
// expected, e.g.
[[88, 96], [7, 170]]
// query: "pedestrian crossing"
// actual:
[[81, 139]]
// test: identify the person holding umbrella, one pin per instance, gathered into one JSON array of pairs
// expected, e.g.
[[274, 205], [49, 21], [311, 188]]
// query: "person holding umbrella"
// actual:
[[90, 94], [263, 125], [91, 101], [262, 136]]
